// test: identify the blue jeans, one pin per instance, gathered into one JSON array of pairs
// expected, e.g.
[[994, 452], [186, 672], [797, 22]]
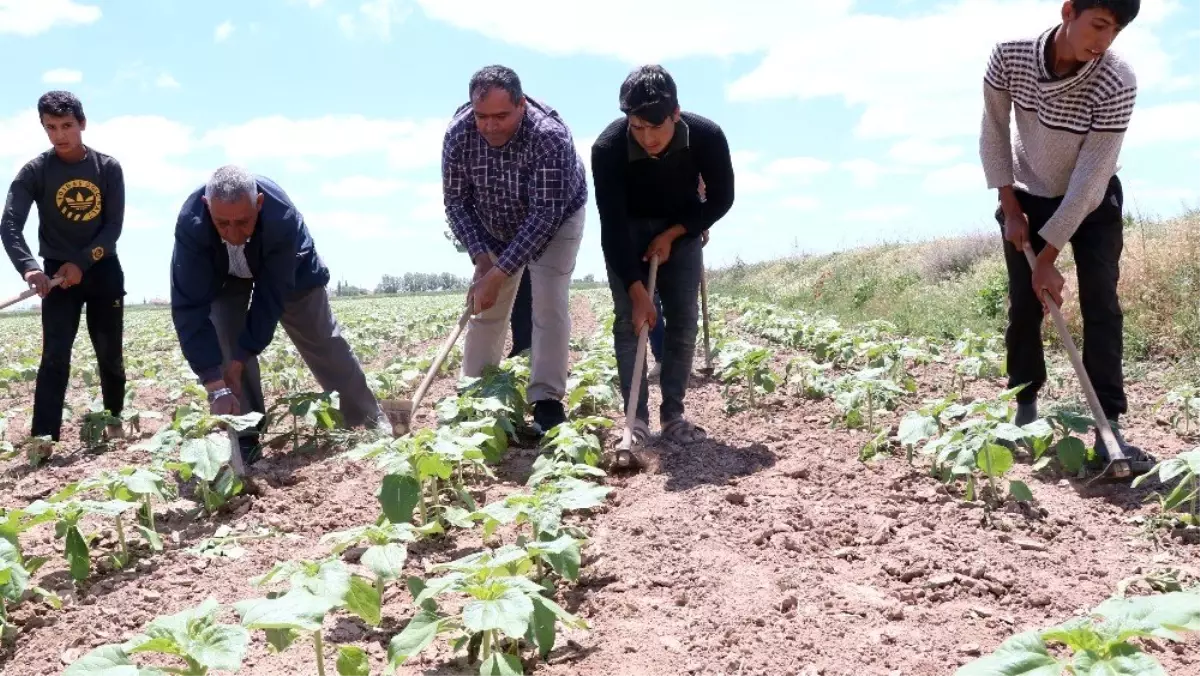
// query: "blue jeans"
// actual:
[[678, 286]]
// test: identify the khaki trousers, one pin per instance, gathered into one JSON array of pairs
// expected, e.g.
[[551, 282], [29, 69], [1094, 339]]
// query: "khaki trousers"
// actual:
[[550, 282]]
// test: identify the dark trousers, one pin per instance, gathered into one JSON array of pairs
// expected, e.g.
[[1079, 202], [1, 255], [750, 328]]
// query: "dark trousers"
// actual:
[[521, 320], [1096, 247], [102, 291], [658, 334], [309, 322], [678, 286]]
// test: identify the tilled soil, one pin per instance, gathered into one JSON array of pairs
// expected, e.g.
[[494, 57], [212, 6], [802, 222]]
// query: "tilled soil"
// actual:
[[769, 549]]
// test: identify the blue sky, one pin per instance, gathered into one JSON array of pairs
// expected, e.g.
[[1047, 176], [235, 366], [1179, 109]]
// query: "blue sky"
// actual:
[[850, 122]]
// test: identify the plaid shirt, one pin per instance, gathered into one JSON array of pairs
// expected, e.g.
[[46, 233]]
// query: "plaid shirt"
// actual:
[[511, 200]]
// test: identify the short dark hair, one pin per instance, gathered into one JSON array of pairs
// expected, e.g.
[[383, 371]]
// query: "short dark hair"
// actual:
[[1125, 11], [649, 92], [60, 104], [489, 77]]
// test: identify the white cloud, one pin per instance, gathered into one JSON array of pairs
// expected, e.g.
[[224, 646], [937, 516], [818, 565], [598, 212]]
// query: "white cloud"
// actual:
[[355, 225], [62, 76], [374, 16], [138, 218], [881, 214], [801, 203], [866, 172], [146, 77], [21, 137], [222, 33], [776, 174], [32, 17], [920, 151], [408, 144], [706, 27], [1168, 122], [151, 150], [362, 187], [964, 177], [897, 78], [166, 81]]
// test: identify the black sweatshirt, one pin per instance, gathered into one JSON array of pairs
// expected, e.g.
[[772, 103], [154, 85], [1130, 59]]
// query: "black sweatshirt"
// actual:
[[631, 184], [81, 207]]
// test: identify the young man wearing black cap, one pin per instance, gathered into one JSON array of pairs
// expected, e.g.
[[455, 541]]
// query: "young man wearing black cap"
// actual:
[[646, 166]]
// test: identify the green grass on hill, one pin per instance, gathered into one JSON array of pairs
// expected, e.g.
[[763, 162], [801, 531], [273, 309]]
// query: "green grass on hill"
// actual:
[[943, 286]]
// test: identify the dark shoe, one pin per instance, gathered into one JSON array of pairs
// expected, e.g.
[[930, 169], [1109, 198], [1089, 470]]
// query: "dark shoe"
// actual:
[[1140, 462], [547, 414], [1026, 413], [251, 451]]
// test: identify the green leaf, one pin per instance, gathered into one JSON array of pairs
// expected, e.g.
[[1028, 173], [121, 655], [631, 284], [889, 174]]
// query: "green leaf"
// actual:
[[279, 640], [994, 460], [1131, 663], [108, 660], [1022, 655], [417, 635], [207, 455], [1019, 491], [398, 496], [78, 556], [363, 600], [915, 428], [1161, 615], [353, 661], [386, 561], [299, 610], [1071, 453], [195, 633], [510, 614], [501, 664], [1078, 634], [152, 537]]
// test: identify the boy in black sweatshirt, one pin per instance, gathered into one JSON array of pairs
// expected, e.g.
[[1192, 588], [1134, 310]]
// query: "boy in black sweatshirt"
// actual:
[[80, 196], [646, 166]]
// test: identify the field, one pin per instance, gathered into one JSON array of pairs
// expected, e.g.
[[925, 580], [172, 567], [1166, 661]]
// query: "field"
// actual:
[[857, 510]]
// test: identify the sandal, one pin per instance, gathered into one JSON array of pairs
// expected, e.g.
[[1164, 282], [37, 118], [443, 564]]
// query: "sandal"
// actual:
[[680, 431]]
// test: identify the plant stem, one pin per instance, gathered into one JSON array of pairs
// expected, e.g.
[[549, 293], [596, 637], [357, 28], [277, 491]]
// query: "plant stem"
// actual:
[[121, 539], [424, 518], [486, 650], [149, 513], [320, 647], [379, 586]]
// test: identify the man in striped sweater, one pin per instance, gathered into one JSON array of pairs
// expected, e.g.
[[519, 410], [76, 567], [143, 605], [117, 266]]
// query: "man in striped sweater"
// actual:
[[1072, 100]]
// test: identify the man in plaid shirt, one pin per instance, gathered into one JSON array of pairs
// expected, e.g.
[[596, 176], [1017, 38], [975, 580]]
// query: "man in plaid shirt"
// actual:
[[515, 189]]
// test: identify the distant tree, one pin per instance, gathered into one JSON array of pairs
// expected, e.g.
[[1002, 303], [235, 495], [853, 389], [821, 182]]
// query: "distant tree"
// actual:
[[459, 246], [390, 284]]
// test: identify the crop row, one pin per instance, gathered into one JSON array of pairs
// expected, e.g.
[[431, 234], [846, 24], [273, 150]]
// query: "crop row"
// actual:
[[493, 604]]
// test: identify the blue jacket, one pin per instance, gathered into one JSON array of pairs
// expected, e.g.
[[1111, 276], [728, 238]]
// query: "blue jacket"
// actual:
[[281, 255]]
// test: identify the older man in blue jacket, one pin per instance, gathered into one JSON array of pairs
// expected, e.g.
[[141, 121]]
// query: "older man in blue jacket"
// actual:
[[244, 262]]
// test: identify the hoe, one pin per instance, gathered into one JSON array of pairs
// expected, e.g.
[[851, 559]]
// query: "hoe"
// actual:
[[400, 411], [627, 449], [1118, 465]]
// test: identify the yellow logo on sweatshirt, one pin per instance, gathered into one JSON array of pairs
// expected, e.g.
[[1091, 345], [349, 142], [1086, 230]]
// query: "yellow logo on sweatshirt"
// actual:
[[78, 200], [97, 253]]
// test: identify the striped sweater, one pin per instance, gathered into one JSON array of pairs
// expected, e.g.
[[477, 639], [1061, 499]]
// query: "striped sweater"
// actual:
[[1069, 129]]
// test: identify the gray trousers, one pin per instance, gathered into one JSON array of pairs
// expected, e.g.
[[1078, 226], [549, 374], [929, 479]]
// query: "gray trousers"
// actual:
[[678, 285], [309, 322]]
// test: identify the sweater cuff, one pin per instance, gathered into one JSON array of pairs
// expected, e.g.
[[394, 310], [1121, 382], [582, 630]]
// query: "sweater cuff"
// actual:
[[241, 354], [1056, 233], [210, 374]]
